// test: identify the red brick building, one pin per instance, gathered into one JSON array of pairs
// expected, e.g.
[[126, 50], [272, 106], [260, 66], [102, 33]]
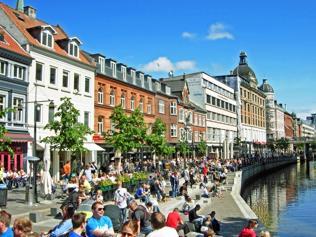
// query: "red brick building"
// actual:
[[288, 126]]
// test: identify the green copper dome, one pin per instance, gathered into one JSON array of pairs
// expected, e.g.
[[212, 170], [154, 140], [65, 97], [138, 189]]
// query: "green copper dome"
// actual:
[[266, 87], [244, 70]]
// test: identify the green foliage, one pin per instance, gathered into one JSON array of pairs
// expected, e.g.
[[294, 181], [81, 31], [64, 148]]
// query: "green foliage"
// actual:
[[4, 140], [300, 146], [129, 132], [69, 134], [271, 145], [157, 141], [140, 176], [184, 147], [202, 148], [123, 178], [282, 144]]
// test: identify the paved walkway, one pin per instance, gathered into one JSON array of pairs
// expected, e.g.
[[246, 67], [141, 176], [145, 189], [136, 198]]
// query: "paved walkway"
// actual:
[[227, 211]]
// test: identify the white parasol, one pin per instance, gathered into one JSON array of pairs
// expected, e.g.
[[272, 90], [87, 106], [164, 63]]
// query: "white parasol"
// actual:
[[46, 178]]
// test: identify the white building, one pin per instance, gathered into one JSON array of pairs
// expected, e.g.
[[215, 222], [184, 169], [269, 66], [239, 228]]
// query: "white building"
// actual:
[[59, 69], [218, 100], [274, 113]]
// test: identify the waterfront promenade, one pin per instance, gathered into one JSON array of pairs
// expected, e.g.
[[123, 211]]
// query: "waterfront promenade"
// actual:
[[226, 209], [230, 208]]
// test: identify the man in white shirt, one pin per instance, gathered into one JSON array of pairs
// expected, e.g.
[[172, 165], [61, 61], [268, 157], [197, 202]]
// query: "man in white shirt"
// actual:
[[158, 221], [120, 198]]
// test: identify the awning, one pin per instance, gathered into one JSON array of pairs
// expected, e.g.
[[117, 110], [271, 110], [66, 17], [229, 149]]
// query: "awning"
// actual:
[[19, 137], [91, 146]]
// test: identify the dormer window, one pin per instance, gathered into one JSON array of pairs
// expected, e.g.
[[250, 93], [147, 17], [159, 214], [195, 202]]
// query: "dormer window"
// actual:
[[73, 46], [124, 72], [133, 74], [47, 38], [73, 49], [102, 64], [113, 67]]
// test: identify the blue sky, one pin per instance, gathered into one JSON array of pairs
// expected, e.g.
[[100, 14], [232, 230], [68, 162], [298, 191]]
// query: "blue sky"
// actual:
[[201, 35]]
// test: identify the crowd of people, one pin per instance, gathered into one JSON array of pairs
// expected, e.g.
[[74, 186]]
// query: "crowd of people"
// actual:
[[139, 212]]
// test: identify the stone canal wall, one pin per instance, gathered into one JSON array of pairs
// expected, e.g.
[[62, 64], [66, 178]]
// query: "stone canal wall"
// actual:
[[249, 173]]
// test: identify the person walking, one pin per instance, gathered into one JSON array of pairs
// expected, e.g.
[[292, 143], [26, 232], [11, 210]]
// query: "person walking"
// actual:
[[121, 196], [140, 214]]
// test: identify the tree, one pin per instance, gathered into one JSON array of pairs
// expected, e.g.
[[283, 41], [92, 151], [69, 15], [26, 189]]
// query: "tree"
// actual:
[[4, 140], [282, 144], [202, 147], [157, 141], [271, 144], [129, 131], [69, 134]]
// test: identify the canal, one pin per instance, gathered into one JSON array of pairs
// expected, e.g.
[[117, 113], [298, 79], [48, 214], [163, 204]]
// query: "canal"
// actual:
[[285, 200]]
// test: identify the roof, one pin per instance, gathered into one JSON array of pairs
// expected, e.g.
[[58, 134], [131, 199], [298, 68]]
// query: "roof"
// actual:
[[24, 23], [244, 70], [266, 87], [10, 44], [175, 85]]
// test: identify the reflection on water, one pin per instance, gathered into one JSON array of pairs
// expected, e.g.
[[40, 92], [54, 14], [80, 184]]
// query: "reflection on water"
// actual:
[[285, 201]]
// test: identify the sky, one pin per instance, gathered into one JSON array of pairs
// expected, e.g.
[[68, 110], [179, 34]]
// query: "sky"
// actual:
[[185, 36]]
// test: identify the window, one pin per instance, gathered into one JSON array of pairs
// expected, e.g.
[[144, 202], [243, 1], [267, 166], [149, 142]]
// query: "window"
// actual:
[[173, 108], [3, 68], [100, 124], [161, 107], [123, 101], [181, 115], [218, 102], [100, 96], [73, 49], [87, 85], [17, 114], [149, 108], [112, 98], [222, 104], [18, 72], [38, 113], [76, 82], [213, 100], [132, 103], [86, 118], [39, 71], [52, 75], [190, 117], [208, 99], [200, 120], [173, 130], [124, 72], [65, 79], [2, 103], [113, 67], [51, 112], [141, 105], [47, 39], [102, 64], [189, 136], [196, 136]]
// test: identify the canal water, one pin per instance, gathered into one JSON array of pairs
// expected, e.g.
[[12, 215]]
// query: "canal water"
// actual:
[[285, 200]]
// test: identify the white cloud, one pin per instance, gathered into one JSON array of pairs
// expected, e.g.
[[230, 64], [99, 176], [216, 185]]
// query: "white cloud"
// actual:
[[188, 35], [219, 31], [185, 65], [163, 64]]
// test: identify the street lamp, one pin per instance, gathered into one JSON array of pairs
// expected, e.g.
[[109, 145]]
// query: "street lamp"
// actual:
[[35, 159]]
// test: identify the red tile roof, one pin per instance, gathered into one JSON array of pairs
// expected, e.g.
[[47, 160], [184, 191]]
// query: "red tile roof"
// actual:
[[23, 22], [10, 44]]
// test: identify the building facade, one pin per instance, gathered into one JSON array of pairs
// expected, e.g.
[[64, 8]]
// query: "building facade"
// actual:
[[218, 100], [116, 84], [59, 69], [274, 113], [14, 81]]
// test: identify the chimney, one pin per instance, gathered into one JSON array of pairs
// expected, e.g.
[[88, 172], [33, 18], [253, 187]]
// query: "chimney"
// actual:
[[30, 11], [19, 5]]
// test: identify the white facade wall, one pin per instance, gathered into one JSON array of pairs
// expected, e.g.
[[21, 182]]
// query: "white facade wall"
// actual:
[[280, 130], [43, 90], [221, 124]]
